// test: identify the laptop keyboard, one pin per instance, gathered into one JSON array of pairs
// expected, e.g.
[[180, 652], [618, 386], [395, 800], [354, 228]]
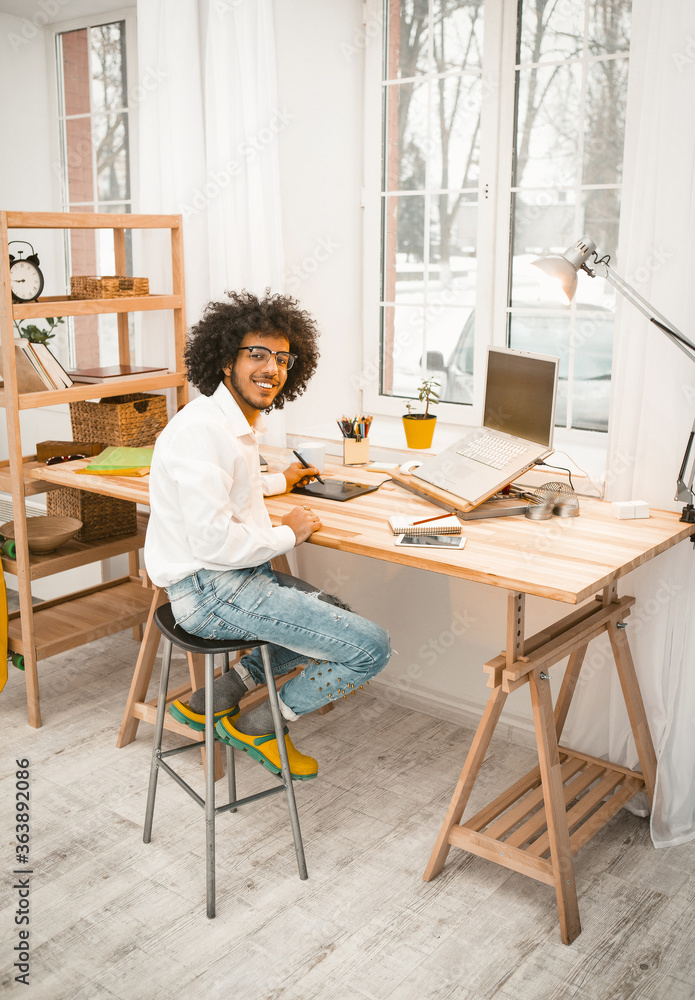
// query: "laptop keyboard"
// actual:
[[492, 450]]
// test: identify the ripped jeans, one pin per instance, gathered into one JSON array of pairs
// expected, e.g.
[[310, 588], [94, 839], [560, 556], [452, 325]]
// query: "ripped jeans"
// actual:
[[340, 650]]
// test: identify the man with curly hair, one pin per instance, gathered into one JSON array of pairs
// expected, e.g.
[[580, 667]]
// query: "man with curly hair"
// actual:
[[210, 539]]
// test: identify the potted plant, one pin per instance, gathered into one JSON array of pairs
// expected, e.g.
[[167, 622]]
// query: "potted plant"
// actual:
[[34, 334], [419, 427]]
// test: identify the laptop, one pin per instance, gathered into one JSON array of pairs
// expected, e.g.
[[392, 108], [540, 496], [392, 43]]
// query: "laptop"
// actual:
[[517, 430]]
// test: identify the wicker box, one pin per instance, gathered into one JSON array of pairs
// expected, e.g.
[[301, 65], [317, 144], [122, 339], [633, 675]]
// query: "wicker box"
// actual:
[[102, 517], [116, 286], [131, 421]]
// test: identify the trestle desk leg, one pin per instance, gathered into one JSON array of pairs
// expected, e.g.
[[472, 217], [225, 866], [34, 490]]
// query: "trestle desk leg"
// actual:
[[474, 760], [554, 798]]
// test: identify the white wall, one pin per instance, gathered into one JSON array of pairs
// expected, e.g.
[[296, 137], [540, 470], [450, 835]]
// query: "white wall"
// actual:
[[29, 182], [29, 178], [321, 176], [442, 630]]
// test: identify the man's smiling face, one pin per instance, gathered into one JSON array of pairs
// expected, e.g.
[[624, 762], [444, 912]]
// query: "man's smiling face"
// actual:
[[255, 385]]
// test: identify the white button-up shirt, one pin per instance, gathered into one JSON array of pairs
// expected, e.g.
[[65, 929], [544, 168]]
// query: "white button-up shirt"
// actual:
[[206, 494]]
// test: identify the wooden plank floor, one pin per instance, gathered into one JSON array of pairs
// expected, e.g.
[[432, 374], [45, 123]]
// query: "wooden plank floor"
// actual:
[[114, 919]]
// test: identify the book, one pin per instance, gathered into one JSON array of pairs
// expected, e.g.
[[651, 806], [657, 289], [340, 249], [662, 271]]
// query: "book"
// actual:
[[28, 379], [25, 348], [264, 464], [51, 366], [447, 525], [115, 373]]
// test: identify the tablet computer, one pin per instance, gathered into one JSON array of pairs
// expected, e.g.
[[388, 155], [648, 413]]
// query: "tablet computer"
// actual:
[[334, 489]]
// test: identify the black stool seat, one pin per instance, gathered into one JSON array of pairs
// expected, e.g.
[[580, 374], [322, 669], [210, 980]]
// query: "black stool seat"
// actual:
[[166, 623]]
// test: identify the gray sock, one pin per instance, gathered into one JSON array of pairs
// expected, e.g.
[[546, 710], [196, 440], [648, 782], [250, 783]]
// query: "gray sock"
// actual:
[[257, 722], [228, 690]]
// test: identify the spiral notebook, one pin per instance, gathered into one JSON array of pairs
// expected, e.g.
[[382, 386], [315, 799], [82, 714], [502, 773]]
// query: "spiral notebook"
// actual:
[[401, 525]]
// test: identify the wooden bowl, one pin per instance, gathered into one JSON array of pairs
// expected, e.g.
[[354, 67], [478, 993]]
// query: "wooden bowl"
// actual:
[[45, 534]]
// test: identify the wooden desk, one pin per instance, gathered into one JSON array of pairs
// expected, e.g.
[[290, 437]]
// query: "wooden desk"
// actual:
[[536, 826]]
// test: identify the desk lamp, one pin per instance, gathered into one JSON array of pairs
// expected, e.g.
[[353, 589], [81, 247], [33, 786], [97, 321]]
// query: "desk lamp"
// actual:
[[582, 256]]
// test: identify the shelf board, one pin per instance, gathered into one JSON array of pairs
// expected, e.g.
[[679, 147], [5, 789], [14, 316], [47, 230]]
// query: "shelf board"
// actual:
[[32, 486], [52, 397], [90, 220], [64, 305], [74, 554], [79, 618]]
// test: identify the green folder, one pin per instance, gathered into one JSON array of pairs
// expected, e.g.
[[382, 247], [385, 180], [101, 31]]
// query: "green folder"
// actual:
[[118, 459]]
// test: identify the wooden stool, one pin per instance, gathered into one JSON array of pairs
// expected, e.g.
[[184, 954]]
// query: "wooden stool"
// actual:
[[175, 635]]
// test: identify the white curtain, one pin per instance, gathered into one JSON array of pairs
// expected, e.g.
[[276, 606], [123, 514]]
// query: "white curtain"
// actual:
[[208, 149], [652, 412]]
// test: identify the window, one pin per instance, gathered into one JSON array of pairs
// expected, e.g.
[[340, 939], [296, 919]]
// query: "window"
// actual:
[[503, 131], [571, 85], [95, 128], [432, 93]]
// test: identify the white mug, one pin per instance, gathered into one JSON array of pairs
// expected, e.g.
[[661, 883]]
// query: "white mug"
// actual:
[[313, 453]]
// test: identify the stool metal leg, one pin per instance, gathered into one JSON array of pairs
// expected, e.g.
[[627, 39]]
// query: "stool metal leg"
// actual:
[[209, 785], [157, 744], [231, 772], [286, 774]]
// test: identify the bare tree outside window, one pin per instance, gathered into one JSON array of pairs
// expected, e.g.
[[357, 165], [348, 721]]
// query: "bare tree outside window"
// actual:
[[432, 99], [571, 86], [94, 130]]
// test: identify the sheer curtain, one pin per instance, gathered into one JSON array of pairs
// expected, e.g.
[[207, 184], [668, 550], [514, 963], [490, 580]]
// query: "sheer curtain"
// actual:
[[208, 149], [653, 409]]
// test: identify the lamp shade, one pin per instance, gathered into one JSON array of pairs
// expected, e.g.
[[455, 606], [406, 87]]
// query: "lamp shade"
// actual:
[[558, 267], [563, 267]]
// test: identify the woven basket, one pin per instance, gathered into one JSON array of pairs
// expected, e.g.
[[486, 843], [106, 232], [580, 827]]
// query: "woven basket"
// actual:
[[131, 421], [102, 517], [118, 286]]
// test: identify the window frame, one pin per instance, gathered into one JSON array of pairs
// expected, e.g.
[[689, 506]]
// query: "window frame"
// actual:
[[499, 45], [495, 195], [128, 15]]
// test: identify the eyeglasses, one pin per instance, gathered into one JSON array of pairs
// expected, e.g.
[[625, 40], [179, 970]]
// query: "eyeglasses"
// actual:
[[262, 354]]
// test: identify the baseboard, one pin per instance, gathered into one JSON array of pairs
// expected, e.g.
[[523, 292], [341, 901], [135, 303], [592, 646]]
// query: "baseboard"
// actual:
[[512, 727]]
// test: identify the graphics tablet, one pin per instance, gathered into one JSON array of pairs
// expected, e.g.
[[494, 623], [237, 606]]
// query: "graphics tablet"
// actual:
[[334, 489]]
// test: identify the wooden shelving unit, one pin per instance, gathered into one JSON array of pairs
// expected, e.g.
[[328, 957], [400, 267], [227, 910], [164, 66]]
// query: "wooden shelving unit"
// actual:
[[43, 630]]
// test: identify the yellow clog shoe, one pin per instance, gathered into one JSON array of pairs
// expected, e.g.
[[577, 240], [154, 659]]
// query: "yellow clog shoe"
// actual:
[[265, 750]]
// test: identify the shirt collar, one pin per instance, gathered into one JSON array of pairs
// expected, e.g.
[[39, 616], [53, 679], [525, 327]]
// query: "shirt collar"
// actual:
[[229, 406]]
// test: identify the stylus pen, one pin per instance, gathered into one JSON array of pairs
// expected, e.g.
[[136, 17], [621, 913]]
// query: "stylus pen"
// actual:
[[306, 465]]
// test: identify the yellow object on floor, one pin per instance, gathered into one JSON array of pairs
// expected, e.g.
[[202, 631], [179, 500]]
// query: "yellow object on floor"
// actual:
[[3, 630]]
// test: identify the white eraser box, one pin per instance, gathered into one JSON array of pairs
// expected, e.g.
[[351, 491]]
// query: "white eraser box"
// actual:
[[629, 509]]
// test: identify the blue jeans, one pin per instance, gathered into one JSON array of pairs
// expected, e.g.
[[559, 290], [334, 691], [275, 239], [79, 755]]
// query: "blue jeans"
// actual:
[[340, 650]]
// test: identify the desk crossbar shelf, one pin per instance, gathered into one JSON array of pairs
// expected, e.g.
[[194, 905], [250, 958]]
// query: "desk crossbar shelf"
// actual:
[[82, 617], [513, 829]]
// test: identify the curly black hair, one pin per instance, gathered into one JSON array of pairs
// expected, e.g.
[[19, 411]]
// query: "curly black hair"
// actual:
[[214, 341]]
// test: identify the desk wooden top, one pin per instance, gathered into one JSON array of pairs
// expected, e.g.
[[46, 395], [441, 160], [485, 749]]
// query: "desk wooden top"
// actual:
[[564, 559]]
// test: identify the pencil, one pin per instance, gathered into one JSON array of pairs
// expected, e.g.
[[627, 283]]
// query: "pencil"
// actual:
[[437, 517]]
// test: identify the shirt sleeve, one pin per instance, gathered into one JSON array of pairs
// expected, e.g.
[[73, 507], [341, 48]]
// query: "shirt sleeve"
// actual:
[[273, 483], [213, 496]]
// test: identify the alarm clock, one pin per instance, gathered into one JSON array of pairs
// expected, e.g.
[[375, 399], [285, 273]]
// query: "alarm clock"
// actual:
[[26, 279]]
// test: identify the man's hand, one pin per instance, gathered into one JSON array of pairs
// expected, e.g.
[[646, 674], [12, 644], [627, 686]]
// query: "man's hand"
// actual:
[[302, 521], [298, 475]]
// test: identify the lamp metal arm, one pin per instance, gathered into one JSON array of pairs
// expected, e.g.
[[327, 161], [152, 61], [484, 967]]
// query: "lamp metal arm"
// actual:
[[602, 269]]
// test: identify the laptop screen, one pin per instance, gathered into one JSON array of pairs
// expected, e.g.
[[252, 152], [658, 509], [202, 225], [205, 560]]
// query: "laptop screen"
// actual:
[[520, 394]]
